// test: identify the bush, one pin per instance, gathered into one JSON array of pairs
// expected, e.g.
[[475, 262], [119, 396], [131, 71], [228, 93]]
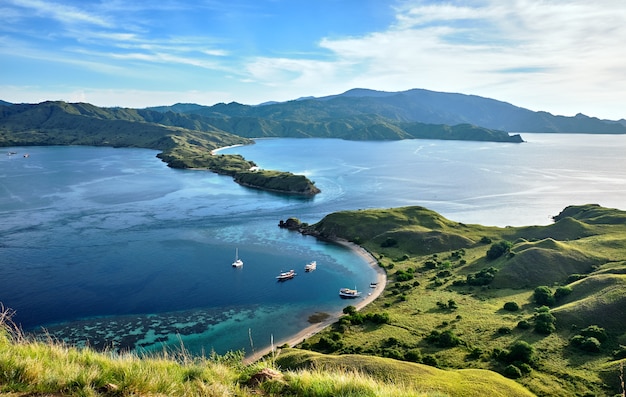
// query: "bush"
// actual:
[[446, 338], [504, 330], [512, 372], [590, 344], [349, 310], [483, 277], [620, 353], [401, 275], [389, 242], [543, 296], [431, 360], [522, 352], [545, 323], [511, 306], [498, 249], [562, 292], [413, 355], [485, 240], [523, 324], [593, 331]]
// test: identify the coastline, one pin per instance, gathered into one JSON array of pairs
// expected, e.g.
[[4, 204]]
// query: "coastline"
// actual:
[[381, 279]]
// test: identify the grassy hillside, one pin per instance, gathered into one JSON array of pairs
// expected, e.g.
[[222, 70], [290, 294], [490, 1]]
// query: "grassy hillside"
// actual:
[[545, 305], [29, 368]]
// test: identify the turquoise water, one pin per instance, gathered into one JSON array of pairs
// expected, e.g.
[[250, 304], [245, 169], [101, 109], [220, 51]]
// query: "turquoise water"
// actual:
[[111, 247]]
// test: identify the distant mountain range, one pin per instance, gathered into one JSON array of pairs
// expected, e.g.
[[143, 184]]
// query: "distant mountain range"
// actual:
[[417, 105], [357, 114]]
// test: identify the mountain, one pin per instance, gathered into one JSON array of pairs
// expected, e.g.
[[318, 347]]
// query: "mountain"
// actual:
[[416, 105], [232, 119], [4, 103]]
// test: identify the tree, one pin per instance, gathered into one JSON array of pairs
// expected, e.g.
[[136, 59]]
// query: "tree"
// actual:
[[511, 306]]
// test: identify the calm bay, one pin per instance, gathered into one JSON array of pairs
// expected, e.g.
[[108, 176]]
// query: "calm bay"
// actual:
[[111, 247]]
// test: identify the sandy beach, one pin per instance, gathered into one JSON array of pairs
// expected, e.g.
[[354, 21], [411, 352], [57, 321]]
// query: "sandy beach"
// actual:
[[361, 302]]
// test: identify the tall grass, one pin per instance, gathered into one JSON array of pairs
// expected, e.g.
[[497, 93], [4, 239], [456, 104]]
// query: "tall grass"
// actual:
[[35, 367]]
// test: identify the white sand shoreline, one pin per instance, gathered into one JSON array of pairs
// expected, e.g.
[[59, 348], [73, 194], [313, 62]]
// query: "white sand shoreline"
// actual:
[[381, 279]]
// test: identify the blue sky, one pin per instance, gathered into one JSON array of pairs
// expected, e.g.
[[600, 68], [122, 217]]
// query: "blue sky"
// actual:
[[561, 56]]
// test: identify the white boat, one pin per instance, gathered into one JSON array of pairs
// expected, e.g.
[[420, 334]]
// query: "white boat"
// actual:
[[349, 293], [238, 262], [286, 275], [309, 267]]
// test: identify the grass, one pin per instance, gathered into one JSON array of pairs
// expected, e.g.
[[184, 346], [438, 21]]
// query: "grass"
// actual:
[[50, 368], [428, 260]]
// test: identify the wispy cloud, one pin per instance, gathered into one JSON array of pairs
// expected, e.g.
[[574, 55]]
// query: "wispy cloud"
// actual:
[[61, 12]]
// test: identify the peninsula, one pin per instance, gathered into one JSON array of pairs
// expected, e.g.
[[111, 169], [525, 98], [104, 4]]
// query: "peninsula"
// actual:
[[61, 123]]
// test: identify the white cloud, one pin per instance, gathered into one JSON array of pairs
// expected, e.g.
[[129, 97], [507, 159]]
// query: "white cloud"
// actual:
[[559, 56], [62, 13]]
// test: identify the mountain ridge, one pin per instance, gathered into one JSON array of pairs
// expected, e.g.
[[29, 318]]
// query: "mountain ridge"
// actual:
[[419, 105]]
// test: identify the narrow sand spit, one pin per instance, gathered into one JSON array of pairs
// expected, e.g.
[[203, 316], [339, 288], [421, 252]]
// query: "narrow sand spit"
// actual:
[[359, 303]]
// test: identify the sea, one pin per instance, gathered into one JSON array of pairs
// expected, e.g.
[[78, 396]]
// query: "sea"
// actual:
[[110, 248]]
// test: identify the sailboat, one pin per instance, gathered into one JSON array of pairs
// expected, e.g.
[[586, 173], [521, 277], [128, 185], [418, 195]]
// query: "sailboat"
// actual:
[[238, 262]]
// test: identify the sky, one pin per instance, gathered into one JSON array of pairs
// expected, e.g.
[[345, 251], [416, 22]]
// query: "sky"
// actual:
[[560, 56]]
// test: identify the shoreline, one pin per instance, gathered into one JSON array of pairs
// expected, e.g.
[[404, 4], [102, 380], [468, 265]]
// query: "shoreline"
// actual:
[[381, 279]]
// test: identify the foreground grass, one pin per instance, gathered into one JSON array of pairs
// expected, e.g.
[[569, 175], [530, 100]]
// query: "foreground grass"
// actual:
[[29, 368]]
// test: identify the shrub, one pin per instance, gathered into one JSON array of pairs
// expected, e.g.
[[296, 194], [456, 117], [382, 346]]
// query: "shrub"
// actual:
[[431, 360], [543, 296], [485, 240], [511, 306], [483, 277], [522, 352], [349, 310], [389, 242], [446, 338], [593, 331], [504, 330], [620, 353], [523, 324], [590, 344], [413, 355], [401, 275], [378, 318], [393, 353], [511, 371], [562, 292], [545, 323], [498, 249]]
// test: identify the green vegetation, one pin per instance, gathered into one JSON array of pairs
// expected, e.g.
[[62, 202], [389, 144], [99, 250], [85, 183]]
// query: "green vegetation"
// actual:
[[32, 368], [185, 142], [544, 308]]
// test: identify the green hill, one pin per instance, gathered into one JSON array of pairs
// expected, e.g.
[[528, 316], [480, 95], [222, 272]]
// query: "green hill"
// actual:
[[424, 378], [464, 296]]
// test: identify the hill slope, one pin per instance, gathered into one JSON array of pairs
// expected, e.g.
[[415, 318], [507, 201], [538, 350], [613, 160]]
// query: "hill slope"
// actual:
[[464, 296]]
